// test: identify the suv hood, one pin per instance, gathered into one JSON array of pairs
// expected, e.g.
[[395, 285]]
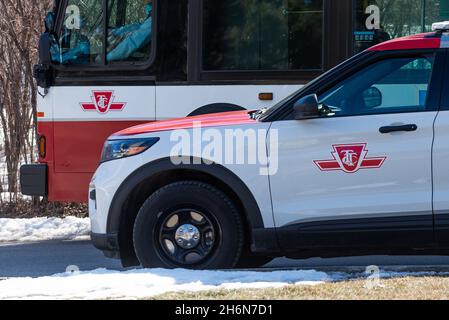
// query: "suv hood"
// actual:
[[209, 120]]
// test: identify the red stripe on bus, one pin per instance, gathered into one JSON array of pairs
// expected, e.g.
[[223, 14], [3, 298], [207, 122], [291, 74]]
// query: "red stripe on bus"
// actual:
[[73, 154]]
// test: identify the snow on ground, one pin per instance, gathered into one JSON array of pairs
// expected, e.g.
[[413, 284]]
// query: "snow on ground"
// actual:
[[135, 284], [40, 229], [139, 284]]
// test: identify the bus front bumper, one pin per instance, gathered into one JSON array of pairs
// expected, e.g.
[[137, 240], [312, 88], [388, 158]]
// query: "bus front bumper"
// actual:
[[33, 180]]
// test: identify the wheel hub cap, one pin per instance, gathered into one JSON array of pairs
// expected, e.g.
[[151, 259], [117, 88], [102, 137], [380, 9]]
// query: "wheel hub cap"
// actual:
[[187, 236]]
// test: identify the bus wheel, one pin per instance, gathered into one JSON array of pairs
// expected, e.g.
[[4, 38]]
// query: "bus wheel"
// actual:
[[215, 108], [189, 225]]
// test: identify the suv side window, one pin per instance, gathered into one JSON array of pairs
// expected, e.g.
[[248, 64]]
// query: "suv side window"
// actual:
[[374, 90]]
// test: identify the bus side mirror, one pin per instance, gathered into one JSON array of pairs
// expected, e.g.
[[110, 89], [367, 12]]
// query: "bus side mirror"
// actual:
[[307, 108], [49, 22], [42, 72], [44, 48]]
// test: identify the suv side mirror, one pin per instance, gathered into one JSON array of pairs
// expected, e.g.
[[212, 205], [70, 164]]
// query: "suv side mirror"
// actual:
[[307, 108]]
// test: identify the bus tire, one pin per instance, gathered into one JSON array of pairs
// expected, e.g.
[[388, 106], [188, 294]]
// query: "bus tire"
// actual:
[[189, 225], [215, 108]]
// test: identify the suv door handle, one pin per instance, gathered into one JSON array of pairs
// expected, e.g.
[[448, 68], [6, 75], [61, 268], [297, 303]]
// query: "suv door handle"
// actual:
[[406, 128]]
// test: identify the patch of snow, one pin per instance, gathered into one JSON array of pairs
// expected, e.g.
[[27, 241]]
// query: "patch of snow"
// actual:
[[8, 196], [135, 284], [43, 229]]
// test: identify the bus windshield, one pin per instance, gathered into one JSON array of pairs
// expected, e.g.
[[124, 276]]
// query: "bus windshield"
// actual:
[[82, 38]]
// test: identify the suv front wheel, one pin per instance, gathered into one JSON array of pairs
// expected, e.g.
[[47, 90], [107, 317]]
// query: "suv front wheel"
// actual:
[[190, 225]]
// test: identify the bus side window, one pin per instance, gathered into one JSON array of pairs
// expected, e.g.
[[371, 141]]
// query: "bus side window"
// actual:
[[80, 39], [130, 28], [263, 35]]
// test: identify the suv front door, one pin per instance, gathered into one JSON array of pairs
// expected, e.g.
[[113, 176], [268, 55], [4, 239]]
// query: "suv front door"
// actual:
[[361, 175]]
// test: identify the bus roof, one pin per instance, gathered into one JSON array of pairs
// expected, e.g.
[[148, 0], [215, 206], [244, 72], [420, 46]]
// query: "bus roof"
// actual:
[[431, 40]]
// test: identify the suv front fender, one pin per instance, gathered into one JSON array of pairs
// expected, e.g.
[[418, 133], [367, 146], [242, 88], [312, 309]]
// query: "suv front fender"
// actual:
[[117, 223]]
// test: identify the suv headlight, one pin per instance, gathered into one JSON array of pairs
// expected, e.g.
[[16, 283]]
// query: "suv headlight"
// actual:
[[118, 149]]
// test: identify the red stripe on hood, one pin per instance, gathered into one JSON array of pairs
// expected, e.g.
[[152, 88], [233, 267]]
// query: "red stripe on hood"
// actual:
[[209, 120]]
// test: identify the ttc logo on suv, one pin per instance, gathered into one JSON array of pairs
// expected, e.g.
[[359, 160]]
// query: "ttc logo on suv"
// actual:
[[103, 102], [350, 158]]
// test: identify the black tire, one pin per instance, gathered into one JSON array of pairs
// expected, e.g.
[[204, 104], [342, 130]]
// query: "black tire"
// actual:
[[172, 209]]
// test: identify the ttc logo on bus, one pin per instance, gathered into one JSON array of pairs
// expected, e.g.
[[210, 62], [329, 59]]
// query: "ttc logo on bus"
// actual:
[[103, 102]]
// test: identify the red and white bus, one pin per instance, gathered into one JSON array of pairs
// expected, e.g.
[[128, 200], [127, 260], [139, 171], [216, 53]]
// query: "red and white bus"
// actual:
[[106, 65]]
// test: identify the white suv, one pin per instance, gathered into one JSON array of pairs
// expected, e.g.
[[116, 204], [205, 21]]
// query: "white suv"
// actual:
[[354, 163]]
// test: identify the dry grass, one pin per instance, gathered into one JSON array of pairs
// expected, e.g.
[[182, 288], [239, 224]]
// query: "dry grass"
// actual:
[[409, 288], [28, 209]]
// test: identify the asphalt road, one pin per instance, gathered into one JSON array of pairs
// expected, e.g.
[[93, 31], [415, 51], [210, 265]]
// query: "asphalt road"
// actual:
[[48, 258]]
